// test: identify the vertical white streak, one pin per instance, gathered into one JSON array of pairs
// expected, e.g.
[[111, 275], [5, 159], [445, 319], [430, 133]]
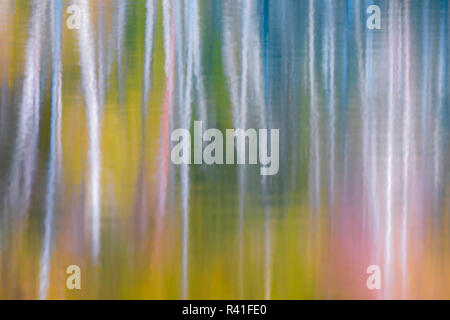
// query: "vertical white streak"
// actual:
[[332, 105], [314, 155], [441, 96], [244, 61], [181, 45], [180, 56], [198, 61], [28, 123], [407, 132], [186, 122], [390, 133], [314, 160], [149, 31], [55, 147], [229, 46], [425, 102], [166, 27], [87, 62], [230, 63], [101, 59], [255, 86], [256, 73], [242, 116], [372, 136], [167, 34], [121, 7], [364, 106]]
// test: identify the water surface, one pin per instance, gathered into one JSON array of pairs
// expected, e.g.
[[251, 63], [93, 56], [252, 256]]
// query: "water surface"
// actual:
[[85, 171]]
